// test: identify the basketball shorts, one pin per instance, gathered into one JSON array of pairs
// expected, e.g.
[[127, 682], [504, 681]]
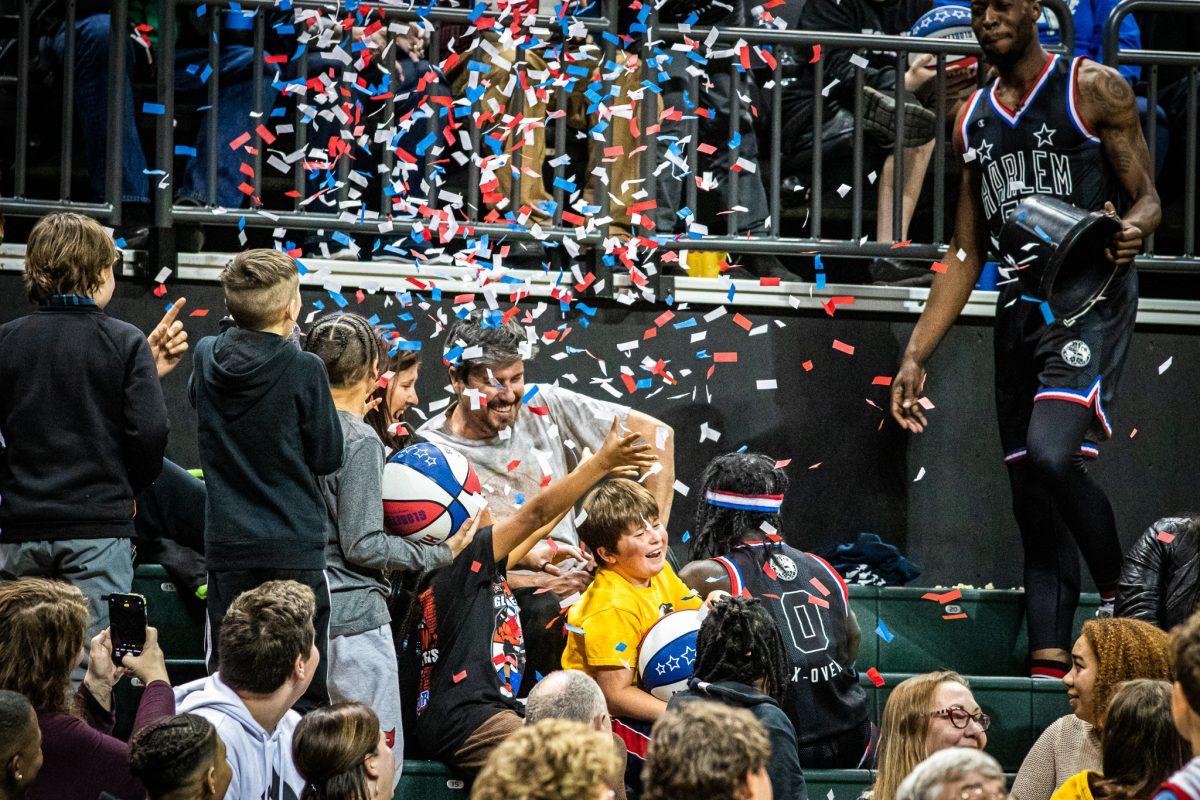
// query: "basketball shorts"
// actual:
[[1039, 358]]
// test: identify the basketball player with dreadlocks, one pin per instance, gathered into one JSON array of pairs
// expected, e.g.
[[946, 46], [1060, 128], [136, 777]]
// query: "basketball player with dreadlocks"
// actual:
[[1067, 128], [738, 548]]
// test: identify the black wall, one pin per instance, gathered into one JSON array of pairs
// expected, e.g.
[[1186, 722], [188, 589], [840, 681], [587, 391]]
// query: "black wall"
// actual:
[[955, 521]]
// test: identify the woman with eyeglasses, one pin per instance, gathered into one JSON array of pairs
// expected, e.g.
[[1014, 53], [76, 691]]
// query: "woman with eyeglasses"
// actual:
[[1140, 745], [1107, 653], [924, 715]]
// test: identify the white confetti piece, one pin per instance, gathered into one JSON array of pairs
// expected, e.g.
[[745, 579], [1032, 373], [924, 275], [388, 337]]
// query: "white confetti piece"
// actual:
[[1166, 365]]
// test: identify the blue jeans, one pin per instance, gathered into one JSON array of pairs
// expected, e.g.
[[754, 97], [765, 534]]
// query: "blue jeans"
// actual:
[[91, 106]]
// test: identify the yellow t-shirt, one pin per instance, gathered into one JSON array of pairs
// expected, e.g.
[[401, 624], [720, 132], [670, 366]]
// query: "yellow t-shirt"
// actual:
[[605, 628], [1075, 788]]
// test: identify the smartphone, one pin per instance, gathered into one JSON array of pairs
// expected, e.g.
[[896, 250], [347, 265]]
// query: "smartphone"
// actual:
[[127, 625]]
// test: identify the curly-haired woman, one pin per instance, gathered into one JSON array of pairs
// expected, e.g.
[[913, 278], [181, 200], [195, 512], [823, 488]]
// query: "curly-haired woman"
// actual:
[[1107, 653]]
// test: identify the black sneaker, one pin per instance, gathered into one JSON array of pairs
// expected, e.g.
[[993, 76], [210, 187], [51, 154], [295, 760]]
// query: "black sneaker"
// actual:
[[894, 272], [879, 119]]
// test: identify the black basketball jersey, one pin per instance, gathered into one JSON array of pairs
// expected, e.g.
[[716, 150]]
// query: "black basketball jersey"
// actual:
[[1042, 147], [811, 607]]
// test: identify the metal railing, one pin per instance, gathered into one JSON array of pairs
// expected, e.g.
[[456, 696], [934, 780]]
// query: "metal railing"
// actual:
[[1114, 56], [459, 204]]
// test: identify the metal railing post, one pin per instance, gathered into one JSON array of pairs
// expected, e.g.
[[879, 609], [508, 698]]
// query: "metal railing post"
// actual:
[[162, 239]]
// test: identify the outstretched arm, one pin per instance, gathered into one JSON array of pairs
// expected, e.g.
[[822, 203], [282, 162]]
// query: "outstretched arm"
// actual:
[[951, 289], [1109, 108]]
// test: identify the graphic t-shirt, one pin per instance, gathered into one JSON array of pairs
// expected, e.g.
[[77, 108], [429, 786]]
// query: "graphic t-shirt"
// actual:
[[471, 649], [546, 441], [605, 628]]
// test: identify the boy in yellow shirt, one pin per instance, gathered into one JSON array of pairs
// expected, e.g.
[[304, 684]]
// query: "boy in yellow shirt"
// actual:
[[633, 588]]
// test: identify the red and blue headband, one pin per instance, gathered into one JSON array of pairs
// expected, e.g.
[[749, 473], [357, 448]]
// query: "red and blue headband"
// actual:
[[764, 503]]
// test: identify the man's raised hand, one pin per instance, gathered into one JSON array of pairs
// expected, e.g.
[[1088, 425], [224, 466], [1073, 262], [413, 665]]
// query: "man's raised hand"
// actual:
[[168, 340]]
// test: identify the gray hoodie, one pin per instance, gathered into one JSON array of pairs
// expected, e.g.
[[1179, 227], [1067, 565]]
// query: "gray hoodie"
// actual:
[[261, 760], [359, 553]]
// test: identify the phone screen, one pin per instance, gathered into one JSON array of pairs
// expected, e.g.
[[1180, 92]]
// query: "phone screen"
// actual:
[[127, 624]]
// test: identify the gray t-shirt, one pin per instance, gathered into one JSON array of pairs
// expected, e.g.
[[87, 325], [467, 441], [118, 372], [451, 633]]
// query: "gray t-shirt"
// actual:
[[548, 438], [359, 553]]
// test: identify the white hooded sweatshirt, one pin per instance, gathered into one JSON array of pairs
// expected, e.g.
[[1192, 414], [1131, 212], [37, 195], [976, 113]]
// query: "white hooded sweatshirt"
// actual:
[[261, 760]]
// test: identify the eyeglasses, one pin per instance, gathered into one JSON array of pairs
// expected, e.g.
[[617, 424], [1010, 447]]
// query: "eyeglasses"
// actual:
[[959, 717]]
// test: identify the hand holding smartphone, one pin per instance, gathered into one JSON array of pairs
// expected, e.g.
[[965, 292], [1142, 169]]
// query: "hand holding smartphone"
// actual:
[[127, 625]]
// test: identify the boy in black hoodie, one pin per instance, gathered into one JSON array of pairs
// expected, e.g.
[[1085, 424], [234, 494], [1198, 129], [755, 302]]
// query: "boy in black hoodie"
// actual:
[[267, 429], [83, 424]]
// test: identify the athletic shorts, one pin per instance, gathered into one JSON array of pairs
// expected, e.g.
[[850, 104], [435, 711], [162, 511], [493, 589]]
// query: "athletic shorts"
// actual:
[[1040, 359]]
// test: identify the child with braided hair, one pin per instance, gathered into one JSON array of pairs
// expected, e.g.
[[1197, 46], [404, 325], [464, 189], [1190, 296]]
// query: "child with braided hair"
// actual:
[[740, 661], [360, 555], [181, 758], [740, 549]]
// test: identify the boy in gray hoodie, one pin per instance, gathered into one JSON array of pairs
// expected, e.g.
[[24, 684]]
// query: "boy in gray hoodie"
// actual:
[[268, 659], [359, 553]]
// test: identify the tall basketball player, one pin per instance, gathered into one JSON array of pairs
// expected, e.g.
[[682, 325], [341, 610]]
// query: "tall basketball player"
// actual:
[[1065, 127]]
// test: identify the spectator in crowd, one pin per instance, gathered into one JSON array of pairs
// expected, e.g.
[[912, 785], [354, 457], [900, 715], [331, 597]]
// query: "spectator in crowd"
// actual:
[[707, 751], [518, 436], [952, 774], [43, 629], [634, 588], [269, 660], [64, 516], [1185, 709], [400, 367], [1139, 743], [740, 662], [880, 78], [468, 643], [1107, 653], [343, 755], [925, 714], [20, 745], [181, 758], [1160, 579], [361, 554], [556, 759], [267, 427], [234, 68], [738, 549], [572, 695]]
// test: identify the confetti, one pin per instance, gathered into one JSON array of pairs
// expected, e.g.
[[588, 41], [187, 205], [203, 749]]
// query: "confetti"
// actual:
[[882, 631], [1166, 365], [875, 678]]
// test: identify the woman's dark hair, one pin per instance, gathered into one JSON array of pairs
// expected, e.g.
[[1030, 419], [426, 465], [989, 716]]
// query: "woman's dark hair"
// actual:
[[347, 344], [719, 530], [330, 748], [381, 418], [164, 756], [738, 641], [1139, 742]]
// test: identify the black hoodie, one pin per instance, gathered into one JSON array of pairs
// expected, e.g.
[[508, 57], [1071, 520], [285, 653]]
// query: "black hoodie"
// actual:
[[83, 424], [267, 428], [787, 778]]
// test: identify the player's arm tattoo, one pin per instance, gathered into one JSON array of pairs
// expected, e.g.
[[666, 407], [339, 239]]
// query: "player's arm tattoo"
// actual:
[[1110, 107]]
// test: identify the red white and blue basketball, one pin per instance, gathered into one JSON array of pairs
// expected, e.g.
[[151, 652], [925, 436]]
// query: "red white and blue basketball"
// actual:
[[429, 491], [667, 654], [946, 22]]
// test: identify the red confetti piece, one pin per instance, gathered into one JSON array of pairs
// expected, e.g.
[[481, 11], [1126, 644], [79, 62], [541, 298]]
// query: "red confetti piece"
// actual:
[[513, 464], [842, 347], [706, 149], [742, 322], [768, 281], [881, 380], [475, 566], [816, 601], [954, 616], [239, 141], [725, 358], [199, 312], [767, 568], [816, 56], [808, 365], [1163, 536], [541, 411], [875, 678], [782, 463], [160, 290], [458, 678], [265, 134], [943, 599], [938, 266], [820, 587]]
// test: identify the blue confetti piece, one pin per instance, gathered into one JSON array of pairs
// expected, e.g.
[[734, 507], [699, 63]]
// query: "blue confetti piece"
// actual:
[[574, 629], [690, 322], [337, 298], [820, 280], [817, 263], [1047, 314], [1045, 236], [402, 344], [881, 630], [154, 108], [621, 647], [564, 184], [686, 535], [519, 501], [529, 393], [181, 150]]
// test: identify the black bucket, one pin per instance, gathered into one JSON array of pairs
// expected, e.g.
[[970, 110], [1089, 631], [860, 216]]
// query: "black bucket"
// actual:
[[1059, 252]]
